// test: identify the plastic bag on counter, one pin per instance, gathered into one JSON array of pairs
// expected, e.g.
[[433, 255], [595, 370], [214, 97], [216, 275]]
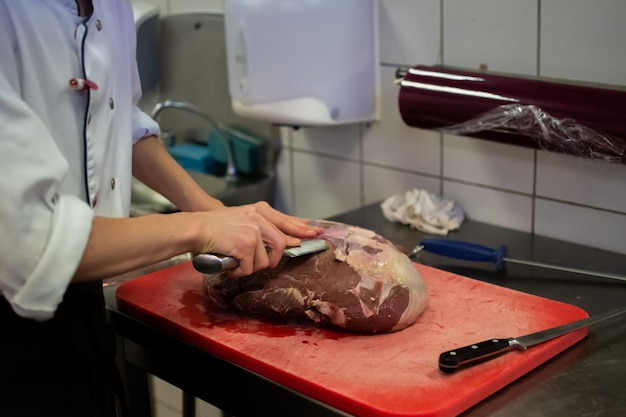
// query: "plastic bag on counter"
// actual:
[[550, 133], [424, 211]]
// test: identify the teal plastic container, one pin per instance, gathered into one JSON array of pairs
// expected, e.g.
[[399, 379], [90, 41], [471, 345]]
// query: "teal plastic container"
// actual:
[[191, 156], [247, 151]]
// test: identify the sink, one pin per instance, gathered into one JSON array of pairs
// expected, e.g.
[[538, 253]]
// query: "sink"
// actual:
[[243, 190], [244, 181]]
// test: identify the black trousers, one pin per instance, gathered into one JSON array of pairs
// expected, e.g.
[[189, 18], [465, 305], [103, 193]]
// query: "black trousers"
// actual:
[[62, 367]]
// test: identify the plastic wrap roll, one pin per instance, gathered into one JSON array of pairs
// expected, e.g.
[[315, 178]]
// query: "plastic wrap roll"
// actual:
[[579, 120]]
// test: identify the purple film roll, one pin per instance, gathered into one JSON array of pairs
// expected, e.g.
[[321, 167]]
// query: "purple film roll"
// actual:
[[575, 119]]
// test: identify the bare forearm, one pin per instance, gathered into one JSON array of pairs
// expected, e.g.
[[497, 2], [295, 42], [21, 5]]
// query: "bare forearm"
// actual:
[[254, 234], [156, 168], [117, 246]]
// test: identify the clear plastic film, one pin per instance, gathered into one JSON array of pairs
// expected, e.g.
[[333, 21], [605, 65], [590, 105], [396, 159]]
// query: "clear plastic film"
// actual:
[[585, 121], [550, 133]]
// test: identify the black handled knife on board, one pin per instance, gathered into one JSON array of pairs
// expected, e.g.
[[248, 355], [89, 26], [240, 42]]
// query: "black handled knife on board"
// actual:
[[452, 360]]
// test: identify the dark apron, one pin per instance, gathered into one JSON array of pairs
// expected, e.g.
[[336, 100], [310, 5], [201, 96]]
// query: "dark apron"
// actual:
[[62, 367]]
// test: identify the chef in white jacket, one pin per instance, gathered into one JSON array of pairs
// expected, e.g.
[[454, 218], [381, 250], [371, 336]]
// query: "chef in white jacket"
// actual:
[[70, 132]]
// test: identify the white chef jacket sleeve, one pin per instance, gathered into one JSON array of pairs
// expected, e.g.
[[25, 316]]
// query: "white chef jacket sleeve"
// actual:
[[43, 232], [143, 124]]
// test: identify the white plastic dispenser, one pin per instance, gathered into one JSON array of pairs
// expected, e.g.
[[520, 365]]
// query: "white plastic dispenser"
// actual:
[[303, 62]]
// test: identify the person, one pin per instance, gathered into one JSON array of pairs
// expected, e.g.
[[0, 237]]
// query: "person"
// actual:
[[71, 137]]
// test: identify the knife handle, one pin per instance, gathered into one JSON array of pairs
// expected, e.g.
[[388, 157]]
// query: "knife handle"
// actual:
[[451, 360], [210, 263], [465, 250]]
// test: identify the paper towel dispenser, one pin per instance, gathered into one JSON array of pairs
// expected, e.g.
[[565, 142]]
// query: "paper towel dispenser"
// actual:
[[303, 63]]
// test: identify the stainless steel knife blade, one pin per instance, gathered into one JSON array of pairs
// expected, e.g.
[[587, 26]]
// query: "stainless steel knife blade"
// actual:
[[480, 352], [212, 263]]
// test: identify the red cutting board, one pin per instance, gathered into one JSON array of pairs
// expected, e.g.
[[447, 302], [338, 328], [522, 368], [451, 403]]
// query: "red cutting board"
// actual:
[[392, 374]]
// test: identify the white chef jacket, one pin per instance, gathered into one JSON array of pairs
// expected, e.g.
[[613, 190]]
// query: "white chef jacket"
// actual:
[[65, 154]]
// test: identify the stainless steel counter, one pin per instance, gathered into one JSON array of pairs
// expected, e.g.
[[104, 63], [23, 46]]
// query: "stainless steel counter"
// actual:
[[585, 380]]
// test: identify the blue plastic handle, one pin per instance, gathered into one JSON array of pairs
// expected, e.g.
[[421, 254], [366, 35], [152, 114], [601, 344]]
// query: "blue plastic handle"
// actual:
[[465, 250]]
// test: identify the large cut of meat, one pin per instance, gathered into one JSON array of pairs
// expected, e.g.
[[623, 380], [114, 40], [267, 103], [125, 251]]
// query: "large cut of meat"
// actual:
[[362, 283]]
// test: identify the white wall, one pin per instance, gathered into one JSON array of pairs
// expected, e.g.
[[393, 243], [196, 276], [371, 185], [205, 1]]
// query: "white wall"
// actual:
[[326, 171]]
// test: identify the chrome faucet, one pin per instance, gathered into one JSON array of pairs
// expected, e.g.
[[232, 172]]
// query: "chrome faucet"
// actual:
[[231, 171]]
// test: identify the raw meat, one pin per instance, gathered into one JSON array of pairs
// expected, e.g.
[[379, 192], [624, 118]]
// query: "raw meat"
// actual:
[[362, 283]]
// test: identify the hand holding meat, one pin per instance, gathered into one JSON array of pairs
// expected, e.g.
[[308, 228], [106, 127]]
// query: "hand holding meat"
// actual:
[[254, 234]]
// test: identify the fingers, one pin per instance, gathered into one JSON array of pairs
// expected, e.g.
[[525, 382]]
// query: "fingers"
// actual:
[[290, 225], [266, 253], [255, 260], [292, 241], [244, 234], [256, 235]]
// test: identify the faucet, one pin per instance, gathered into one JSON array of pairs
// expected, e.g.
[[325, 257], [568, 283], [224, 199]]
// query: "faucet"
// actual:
[[231, 171]]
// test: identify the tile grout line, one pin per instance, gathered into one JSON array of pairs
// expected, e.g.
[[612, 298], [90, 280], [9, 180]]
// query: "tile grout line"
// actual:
[[362, 128]]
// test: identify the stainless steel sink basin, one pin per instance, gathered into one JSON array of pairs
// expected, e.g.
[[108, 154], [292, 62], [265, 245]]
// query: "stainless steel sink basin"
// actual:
[[243, 190]]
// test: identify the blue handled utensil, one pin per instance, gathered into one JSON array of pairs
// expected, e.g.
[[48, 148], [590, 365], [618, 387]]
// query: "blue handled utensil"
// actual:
[[478, 253]]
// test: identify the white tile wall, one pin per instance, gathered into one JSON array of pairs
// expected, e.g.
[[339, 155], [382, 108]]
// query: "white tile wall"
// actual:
[[600, 229], [392, 143], [488, 163], [325, 186], [581, 181], [325, 171], [409, 34], [500, 34], [168, 401], [583, 40], [380, 183], [169, 398], [487, 205]]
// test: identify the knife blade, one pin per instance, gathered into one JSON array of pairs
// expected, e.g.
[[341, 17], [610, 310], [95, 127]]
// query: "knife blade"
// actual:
[[212, 263], [480, 352]]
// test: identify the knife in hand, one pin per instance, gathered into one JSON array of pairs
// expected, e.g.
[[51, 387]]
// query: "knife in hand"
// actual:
[[212, 263], [452, 360]]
